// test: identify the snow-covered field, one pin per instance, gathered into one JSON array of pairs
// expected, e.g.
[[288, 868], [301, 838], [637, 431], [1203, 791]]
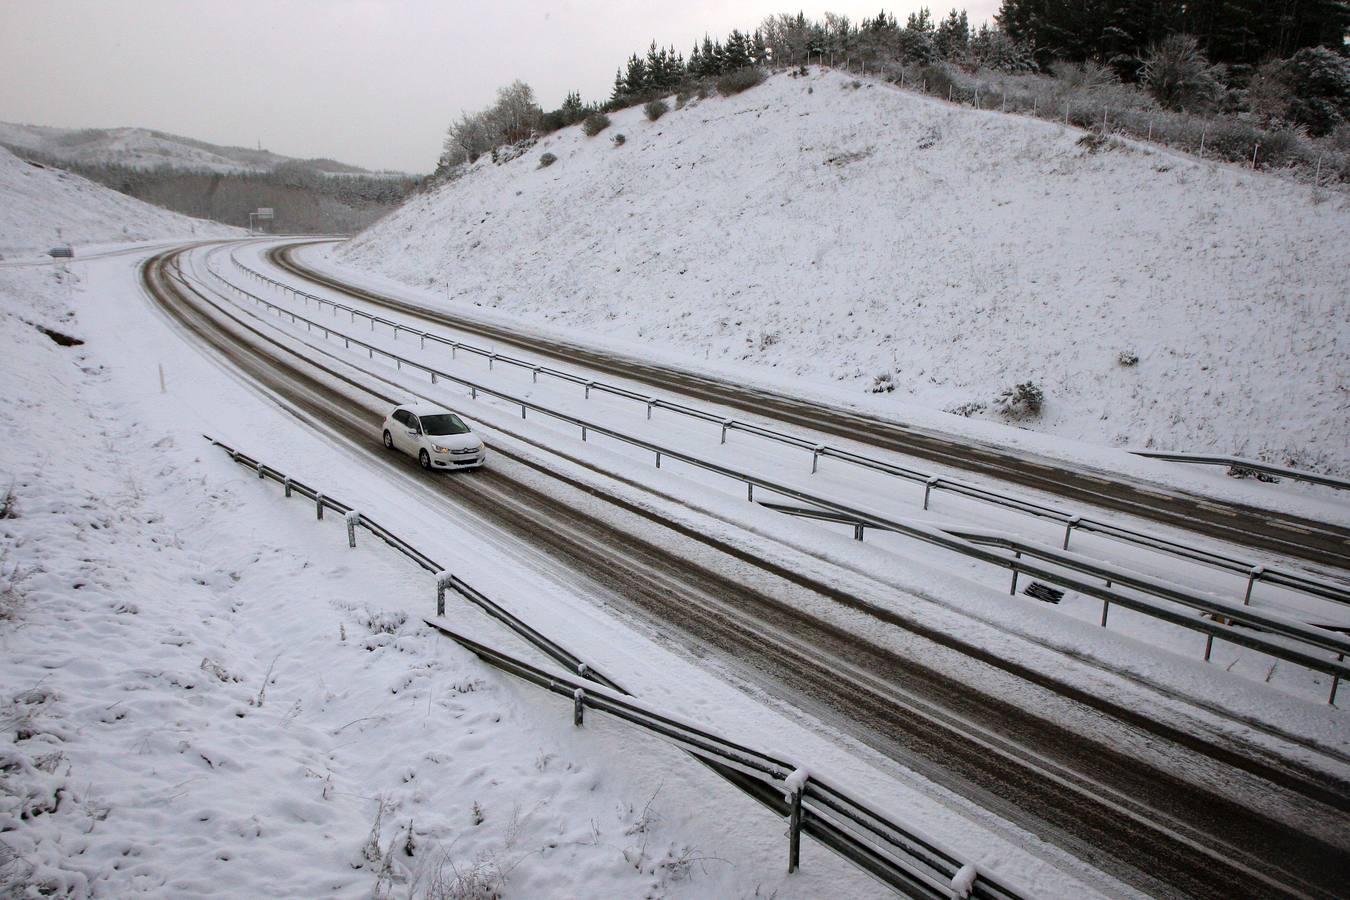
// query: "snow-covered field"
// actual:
[[41, 207], [812, 232]]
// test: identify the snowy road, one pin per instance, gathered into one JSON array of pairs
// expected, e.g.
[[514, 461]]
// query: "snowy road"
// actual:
[[1281, 533], [1142, 798]]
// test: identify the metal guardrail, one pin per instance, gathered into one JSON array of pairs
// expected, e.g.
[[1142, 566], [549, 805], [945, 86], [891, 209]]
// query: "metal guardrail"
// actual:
[[1273, 634], [895, 855], [1253, 572], [1239, 463]]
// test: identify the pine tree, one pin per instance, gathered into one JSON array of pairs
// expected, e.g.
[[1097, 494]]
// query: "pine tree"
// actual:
[[953, 35], [737, 54]]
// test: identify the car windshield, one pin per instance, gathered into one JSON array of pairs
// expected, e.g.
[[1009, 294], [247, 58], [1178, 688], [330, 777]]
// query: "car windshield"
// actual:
[[448, 423]]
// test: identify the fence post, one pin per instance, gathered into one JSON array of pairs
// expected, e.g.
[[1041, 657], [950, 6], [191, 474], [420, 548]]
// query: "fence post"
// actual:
[[318, 505], [578, 706], [1106, 608], [1209, 646], [1255, 573], [353, 519], [286, 483], [442, 582]]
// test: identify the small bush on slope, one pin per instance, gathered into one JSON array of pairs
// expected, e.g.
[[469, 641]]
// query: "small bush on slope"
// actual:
[[594, 124], [739, 80], [655, 109], [1179, 76], [547, 160], [1022, 401]]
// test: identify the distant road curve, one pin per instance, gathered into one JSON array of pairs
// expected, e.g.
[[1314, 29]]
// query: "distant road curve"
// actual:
[[1276, 533]]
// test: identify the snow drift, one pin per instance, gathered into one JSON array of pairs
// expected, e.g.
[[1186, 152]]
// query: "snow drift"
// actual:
[[825, 230]]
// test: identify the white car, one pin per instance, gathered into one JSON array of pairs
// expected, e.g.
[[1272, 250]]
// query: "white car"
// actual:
[[437, 437]]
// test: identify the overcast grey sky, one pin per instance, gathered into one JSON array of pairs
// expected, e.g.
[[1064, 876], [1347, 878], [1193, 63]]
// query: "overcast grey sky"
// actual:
[[369, 82]]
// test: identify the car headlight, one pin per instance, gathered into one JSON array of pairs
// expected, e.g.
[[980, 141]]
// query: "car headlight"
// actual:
[[439, 449]]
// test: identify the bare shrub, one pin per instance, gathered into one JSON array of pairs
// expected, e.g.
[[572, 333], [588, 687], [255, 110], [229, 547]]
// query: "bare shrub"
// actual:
[[482, 879], [883, 383], [1021, 401], [739, 80], [594, 124], [655, 109], [967, 409], [384, 622], [1127, 358]]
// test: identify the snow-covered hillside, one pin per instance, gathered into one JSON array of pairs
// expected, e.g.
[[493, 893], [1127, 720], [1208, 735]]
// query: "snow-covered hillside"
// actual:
[[141, 148], [825, 230], [41, 206]]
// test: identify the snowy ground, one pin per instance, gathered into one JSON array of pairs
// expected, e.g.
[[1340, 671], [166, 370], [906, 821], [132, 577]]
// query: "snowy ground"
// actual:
[[43, 207], [815, 233]]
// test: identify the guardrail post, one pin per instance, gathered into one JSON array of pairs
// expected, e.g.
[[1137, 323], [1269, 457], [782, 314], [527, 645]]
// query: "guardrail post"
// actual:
[[1335, 682], [433, 376], [858, 532], [473, 391], [262, 471], [1106, 608], [442, 582], [286, 483], [750, 491], [396, 328], [1068, 529], [589, 385], [658, 459], [454, 349], [353, 519], [1012, 591], [534, 375], [318, 505], [423, 338], [815, 456], [578, 706], [928, 488], [795, 829], [583, 433], [1255, 573], [726, 423], [1209, 646], [650, 402], [522, 410], [490, 361]]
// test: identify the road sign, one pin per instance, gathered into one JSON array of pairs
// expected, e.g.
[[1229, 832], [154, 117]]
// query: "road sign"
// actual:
[[264, 212]]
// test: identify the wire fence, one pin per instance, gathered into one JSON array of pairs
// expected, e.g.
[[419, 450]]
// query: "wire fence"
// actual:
[[898, 856], [1317, 648]]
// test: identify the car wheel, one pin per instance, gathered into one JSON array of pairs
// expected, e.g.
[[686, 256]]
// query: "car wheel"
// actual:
[[425, 459], [388, 441]]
